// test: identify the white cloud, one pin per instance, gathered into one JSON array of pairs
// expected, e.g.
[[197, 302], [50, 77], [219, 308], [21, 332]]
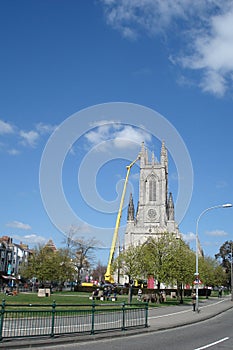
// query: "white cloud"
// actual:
[[29, 138], [18, 225], [217, 233], [128, 134], [105, 122], [72, 150], [43, 128], [156, 16], [189, 237], [213, 82], [221, 184], [214, 47], [32, 239], [135, 176], [204, 30], [121, 135], [100, 134], [152, 16], [6, 128], [13, 152], [212, 53]]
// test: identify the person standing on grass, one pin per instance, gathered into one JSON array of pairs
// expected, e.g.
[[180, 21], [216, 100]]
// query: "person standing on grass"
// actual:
[[139, 294]]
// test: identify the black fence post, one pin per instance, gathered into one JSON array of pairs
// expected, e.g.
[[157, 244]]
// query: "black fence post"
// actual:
[[93, 318], [53, 318], [123, 317], [146, 315], [2, 317]]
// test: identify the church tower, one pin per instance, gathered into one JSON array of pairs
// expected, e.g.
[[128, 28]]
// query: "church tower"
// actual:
[[155, 213]]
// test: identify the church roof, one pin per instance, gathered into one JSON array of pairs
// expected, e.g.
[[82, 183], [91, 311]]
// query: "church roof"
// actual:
[[51, 245]]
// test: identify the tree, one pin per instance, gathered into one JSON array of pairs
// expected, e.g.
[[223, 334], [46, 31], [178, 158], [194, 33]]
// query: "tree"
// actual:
[[99, 271], [80, 250], [48, 265], [168, 259], [129, 263], [180, 265], [65, 269], [224, 256], [220, 277], [156, 256]]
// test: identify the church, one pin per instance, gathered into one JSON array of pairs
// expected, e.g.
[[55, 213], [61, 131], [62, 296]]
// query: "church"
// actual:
[[155, 213]]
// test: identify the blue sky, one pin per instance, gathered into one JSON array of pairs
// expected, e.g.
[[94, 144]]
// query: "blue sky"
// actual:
[[60, 57]]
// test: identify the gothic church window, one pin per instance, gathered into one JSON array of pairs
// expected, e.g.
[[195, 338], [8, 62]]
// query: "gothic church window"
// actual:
[[152, 189]]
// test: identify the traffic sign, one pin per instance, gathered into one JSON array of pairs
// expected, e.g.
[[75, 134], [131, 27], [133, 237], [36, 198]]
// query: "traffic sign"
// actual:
[[197, 282]]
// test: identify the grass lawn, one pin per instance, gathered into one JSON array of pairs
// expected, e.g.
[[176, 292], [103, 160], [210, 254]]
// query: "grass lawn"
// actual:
[[65, 298], [59, 297]]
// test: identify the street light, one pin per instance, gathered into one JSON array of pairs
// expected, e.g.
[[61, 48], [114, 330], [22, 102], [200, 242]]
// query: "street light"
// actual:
[[231, 275], [227, 205]]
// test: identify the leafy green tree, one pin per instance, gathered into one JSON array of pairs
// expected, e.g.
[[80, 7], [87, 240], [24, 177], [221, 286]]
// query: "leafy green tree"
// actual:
[[171, 261], [220, 277], [65, 269], [162, 259], [48, 265], [224, 256], [166, 258], [207, 267], [180, 265], [129, 263]]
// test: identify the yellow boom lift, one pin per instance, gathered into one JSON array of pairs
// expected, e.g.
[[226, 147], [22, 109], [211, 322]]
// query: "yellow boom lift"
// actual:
[[108, 277]]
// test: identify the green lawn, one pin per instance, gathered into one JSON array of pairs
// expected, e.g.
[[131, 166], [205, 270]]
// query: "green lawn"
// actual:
[[59, 297], [65, 298]]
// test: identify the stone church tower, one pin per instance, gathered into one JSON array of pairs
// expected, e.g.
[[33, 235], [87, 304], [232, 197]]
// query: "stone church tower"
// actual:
[[155, 210]]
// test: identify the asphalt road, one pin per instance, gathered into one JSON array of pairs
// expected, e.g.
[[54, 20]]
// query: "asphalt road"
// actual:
[[215, 334]]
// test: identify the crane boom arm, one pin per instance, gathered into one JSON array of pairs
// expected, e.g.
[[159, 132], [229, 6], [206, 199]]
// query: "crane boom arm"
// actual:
[[108, 277]]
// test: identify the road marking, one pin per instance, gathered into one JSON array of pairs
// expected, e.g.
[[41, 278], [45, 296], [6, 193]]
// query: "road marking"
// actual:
[[182, 312], [172, 314], [212, 344]]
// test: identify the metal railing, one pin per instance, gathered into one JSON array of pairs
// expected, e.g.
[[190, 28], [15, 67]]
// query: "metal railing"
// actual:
[[34, 320]]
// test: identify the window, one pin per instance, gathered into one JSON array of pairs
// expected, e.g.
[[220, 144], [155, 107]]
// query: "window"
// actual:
[[152, 189]]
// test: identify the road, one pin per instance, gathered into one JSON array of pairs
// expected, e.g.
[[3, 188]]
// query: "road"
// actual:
[[215, 334]]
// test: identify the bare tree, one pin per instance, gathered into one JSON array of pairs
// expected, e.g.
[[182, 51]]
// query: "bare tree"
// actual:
[[70, 238], [80, 250], [99, 272]]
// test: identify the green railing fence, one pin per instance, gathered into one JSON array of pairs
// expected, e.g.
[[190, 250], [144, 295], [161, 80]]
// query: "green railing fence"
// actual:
[[34, 320]]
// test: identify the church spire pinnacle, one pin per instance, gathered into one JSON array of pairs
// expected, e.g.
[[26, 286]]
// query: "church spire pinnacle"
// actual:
[[163, 155], [170, 208], [142, 156], [130, 213], [153, 158]]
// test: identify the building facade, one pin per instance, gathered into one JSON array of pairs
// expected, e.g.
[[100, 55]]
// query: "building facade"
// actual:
[[155, 212], [12, 257]]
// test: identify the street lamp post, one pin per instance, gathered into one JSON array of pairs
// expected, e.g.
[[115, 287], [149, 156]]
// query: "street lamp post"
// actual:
[[227, 205], [231, 275]]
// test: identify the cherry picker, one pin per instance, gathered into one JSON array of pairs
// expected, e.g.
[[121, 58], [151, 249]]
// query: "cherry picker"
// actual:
[[108, 277]]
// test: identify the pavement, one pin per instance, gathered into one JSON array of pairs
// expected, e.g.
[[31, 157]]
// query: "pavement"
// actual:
[[159, 319]]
